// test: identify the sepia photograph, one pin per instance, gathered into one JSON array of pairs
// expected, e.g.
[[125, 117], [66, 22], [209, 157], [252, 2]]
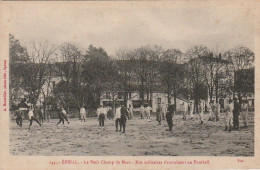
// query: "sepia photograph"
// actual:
[[158, 79]]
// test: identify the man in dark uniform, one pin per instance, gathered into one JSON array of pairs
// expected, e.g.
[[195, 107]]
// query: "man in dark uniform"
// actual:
[[169, 116], [123, 118], [19, 118], [236, 113]]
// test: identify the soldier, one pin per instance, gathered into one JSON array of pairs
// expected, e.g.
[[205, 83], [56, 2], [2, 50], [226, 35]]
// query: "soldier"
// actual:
[[169, 116], [31, 118], [123, 118], [244, 113], [229, 116], [236, 113]]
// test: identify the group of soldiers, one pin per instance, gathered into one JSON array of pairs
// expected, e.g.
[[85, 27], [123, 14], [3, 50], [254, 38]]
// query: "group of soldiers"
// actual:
[[232, 112]]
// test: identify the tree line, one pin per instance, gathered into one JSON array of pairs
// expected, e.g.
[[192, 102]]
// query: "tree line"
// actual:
[[196, 73]]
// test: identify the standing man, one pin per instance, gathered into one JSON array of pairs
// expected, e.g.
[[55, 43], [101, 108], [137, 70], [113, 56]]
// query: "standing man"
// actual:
[[236, 113], [101, 116], [82, 114], [191, 110], [201, 112], [19, 118], [148, 112], [130, 110], [142, 111], [182, 109], [118, 117], [123, 118], [164, 110], [244, 114], [159, 114], [229, 115], [31, 118], [40, 114], [169, 116], [211, 108], [217, 111]]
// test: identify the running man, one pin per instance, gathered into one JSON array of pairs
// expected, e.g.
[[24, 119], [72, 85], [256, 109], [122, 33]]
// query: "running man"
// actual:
[[31, 118], [62, 116]]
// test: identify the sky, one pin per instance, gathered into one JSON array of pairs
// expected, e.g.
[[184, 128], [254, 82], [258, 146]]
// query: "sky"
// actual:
[[129, 24]]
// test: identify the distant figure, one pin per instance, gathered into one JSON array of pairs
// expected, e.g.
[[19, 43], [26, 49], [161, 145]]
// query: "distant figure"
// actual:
[[123, 118], [217, 111], [191, 110], [244, 113], [31, 118], [229, 116], [118, 117], [236, 113], [182, 109], [164, 110], [201, 112], [130, 111], [142, 111], [211, 109], [19, 118], [110, 113], [148, 112], [169, 116], [101, 116], [40, 115], [82, 114], [159, 114]]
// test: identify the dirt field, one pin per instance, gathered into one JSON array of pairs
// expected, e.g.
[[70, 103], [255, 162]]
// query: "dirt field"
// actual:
[[188, 138]]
